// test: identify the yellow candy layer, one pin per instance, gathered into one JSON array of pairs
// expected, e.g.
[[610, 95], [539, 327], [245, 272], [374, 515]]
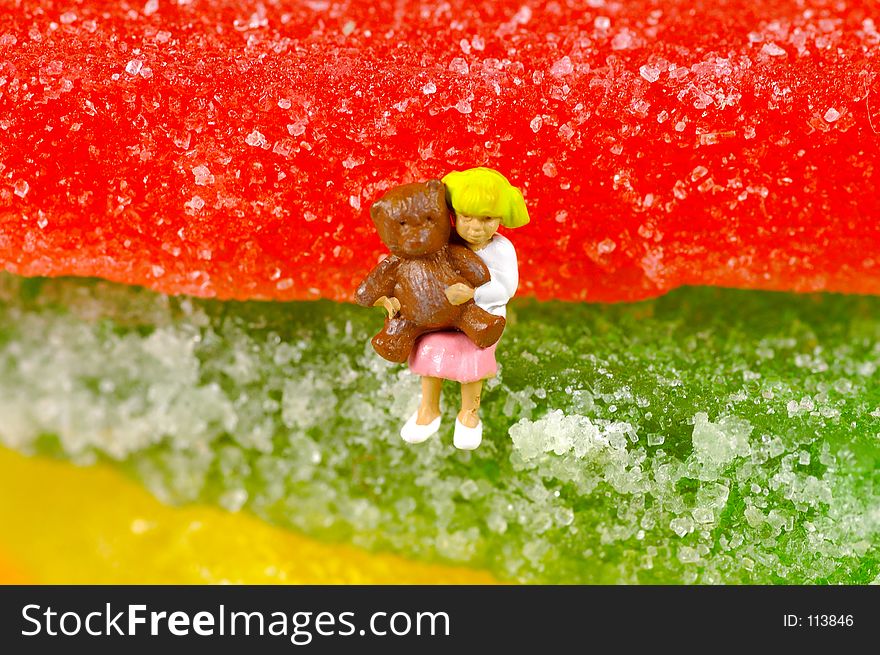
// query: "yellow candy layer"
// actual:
[[64, 524]]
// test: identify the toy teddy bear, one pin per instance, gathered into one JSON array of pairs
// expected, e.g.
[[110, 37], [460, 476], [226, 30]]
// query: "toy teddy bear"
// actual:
[[417, 282]]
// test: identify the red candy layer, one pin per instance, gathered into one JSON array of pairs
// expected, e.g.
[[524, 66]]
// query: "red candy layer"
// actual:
[[233, 148]]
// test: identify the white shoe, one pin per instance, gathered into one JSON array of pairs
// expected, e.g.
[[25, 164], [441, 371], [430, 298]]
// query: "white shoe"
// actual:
[[412, 432], [465, 438]]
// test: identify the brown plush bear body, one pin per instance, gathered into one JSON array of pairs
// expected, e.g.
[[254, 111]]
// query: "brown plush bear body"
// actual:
[[413, 221]]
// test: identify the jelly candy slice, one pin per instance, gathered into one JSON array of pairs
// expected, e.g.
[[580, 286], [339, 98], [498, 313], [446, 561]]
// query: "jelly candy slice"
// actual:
[[706, 436], [232, 148]]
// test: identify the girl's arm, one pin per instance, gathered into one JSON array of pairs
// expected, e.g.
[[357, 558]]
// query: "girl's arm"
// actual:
[[379, 283], [505, 277]]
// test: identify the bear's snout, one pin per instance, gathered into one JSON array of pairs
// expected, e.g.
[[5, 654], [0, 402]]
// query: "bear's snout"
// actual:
[[419, 241]]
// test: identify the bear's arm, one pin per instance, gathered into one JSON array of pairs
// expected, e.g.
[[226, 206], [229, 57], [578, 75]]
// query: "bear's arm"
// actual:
[[380, 282], [469, 265]]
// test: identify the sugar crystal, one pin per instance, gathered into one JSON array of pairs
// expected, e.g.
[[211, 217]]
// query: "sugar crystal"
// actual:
[[203, 175], [195, 203], [463, 106], [831, 115], [773, 50], [133, 67], [459, 65], [256, 139], [650, 73], [562, 67]]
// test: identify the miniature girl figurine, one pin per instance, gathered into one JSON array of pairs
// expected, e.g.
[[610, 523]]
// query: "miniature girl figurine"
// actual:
[[481, 199]]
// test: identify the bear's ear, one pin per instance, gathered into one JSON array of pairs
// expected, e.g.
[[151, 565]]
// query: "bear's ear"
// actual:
[[375, 209], [437, 192], [436, 195]]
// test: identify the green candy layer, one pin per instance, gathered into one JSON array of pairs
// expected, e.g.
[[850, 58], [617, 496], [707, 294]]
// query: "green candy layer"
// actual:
[[707, 436]]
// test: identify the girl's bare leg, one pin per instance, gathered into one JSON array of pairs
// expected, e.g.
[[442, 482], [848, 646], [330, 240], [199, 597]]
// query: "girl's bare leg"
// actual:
[[429, 408], [470, 403]]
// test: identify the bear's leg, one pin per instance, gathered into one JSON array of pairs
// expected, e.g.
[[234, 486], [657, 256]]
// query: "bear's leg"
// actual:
[[396, 339], [480, 326]]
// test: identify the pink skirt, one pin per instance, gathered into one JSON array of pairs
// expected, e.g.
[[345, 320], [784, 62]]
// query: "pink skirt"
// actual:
[[452, 356]]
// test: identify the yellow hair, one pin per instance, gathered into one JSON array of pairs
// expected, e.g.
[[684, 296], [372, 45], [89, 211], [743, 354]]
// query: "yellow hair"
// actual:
[[485, 192]]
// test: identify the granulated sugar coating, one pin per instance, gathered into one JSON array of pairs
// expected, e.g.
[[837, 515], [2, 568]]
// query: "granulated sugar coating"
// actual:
[[232, 149], [707, 436]]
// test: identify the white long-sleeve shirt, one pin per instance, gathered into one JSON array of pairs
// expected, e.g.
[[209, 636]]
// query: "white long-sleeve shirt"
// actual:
[[500, 258]]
